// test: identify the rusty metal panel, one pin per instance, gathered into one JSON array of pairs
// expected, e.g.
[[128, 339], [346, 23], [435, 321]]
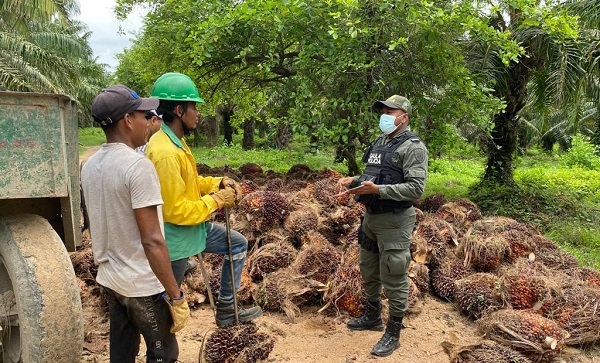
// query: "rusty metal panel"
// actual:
[[35, 133]]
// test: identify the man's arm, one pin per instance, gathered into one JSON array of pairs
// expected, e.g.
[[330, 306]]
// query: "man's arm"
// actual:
[[414, 164], [155, 248]]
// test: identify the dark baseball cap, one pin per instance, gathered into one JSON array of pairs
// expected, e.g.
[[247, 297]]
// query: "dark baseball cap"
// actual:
[[396, 102], [114, 102]]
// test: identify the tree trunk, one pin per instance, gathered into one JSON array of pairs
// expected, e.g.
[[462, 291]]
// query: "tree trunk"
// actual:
[[504, 137], [501, 150], [248, 140], [211, 129], [262, 127], [226, 111], [283, 136]]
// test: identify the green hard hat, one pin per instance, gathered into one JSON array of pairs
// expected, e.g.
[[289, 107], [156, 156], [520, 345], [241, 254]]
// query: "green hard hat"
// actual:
[[174, 86]]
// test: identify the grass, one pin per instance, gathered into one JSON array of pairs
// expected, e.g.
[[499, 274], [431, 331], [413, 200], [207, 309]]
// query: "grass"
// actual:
[[90, 136], [562, 200]]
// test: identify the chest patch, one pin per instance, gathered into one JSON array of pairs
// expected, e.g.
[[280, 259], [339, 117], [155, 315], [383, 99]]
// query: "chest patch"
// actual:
[[374, 159]]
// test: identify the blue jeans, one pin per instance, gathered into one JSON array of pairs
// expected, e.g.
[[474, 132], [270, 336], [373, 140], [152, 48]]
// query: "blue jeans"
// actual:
[[148, 315], [216, 242]]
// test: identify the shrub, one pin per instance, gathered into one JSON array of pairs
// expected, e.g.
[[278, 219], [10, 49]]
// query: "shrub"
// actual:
[[583, 154]]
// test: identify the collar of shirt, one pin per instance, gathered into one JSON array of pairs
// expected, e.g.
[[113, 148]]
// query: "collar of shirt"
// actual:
[[177, 141]]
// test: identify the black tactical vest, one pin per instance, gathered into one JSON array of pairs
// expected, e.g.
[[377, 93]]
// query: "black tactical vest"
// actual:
[[380, 170]]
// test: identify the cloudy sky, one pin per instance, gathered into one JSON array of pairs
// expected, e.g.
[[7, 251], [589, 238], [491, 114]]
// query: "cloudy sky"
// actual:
[[106, 41]]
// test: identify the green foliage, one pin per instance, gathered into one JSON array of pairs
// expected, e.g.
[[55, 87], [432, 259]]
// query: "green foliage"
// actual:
[[452, 177], [277, 160], [582, 154], [579, 240], [91, 136]]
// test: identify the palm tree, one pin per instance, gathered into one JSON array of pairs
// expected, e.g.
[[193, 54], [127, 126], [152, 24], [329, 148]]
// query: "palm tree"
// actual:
[[548, 74], [43, 50]]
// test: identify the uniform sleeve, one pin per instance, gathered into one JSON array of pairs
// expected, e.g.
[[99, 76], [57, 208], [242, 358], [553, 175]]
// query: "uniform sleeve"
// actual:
[[178, 209], [414, 162], [208, 184], [144, 185]]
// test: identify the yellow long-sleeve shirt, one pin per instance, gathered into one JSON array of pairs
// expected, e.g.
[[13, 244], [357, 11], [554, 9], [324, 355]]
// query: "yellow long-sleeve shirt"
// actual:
[[187, 203]]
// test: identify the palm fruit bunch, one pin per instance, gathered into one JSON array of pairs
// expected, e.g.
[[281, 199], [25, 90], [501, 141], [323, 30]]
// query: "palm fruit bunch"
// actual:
[[555, 258], [460, 213], [247, 186], [351, 255], [443, 277], [299, 171], [284, 291], [264, 209], [317, 261], [269, 258], [238, 343], [519, 237], [587, 275], [477, 294], [269, 295], [523, 291], [345, 217], [577, 311], [431, 203], [345, 290], [414, 298], [529, 333], [440, 238], [419, 274], [541, 242], [349, 238], [523, 285], [274, 185], [312, 238], [250, 169], [472, 210], [482, 246], [326, 191], [301, 221], [293, 185], [327, 173], [486, 351]]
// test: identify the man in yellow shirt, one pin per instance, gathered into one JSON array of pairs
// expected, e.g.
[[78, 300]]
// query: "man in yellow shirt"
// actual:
[[190, 199]]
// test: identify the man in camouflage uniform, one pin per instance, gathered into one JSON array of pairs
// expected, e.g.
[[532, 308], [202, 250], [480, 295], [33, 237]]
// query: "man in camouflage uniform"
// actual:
[[394, 177]]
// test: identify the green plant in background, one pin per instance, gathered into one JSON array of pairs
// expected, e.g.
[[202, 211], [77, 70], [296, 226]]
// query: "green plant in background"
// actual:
[[273, 159], [582, 154], [90, 136]]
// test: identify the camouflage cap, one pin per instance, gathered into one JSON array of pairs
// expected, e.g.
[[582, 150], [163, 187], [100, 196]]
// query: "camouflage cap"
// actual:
[[396, 102]]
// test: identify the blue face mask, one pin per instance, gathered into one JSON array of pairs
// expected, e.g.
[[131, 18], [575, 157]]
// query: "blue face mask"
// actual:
[[386, 124]]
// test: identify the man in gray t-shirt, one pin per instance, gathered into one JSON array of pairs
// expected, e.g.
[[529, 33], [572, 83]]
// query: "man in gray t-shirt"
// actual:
[[123, 198]]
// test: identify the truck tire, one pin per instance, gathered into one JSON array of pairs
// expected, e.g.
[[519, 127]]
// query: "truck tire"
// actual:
[[40, 307]]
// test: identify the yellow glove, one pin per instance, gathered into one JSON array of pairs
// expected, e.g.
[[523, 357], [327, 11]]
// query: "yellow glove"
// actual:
[[225, 198], [180, 311], [227, 182]]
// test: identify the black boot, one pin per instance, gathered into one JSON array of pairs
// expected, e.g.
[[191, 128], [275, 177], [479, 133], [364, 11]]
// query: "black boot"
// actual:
[[371, 320], [226, 314], [390, 339]]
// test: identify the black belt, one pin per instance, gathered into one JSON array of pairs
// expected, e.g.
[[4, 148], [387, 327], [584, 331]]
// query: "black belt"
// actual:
[[380, 209]]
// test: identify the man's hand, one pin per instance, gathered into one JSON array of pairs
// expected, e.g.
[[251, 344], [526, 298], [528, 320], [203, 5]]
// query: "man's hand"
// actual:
[[225, 198], [227, 182], [180, 311]]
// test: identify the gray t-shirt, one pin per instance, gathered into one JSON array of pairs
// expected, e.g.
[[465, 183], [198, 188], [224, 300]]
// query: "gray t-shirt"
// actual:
[[116, 180]]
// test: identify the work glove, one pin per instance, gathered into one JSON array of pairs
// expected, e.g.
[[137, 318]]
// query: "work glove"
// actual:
[[180, 311], [227, 182], [225, 198]]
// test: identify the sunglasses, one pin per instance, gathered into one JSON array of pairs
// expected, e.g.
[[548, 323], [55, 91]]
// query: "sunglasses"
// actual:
[[152, 113]]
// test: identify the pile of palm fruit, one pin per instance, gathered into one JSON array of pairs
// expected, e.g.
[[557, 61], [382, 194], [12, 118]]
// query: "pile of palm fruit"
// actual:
[[529, 298]]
